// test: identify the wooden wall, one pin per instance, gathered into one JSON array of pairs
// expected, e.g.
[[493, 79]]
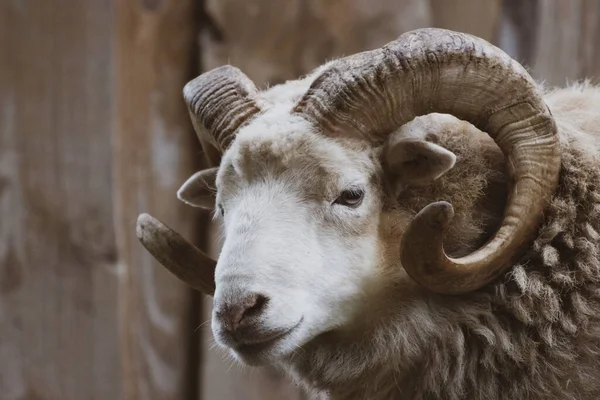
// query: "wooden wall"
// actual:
[[93, 131], [59, 265]]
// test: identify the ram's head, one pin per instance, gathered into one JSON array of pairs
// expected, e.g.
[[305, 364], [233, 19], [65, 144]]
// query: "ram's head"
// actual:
[[307, 188]]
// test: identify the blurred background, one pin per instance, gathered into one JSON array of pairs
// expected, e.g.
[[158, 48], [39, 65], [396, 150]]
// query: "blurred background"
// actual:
[[93, 131]]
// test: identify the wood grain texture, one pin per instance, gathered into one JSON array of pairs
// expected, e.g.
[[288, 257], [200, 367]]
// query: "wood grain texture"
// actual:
[[517, 30], [589, 52], [273, 41], [477, 17], [557, 40], [155, 152], [566, 41], [556, 56], [58, 267]]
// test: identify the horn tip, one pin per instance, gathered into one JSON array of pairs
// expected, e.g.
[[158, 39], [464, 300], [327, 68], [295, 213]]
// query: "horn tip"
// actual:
[[144, 222], [143, 219], [438, 215]]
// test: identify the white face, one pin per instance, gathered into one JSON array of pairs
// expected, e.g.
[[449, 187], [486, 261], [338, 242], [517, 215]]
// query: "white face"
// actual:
[[301, 221]]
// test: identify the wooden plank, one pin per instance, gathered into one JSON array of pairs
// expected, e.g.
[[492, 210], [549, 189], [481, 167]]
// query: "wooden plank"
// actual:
[[275, 41], [58, 280], [271, 42], [517, 31], [556, 39], [590, 34], [556, 57], [477, 17], [155, 151], [351, 26]]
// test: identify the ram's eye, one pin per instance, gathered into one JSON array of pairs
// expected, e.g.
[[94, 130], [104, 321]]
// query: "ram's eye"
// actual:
[[350, 198], [221, 210]]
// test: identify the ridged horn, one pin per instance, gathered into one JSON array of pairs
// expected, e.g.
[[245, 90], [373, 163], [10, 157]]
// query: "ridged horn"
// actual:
[[220, 102], [436, 70]]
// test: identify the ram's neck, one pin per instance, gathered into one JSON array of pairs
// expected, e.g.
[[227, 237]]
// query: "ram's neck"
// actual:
[[372, 357]]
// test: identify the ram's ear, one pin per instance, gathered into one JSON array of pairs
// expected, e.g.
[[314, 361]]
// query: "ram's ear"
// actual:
[[199, 190], [417, 162]]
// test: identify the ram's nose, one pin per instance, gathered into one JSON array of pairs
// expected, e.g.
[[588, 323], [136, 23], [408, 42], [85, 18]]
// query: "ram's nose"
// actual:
[[236, 311]]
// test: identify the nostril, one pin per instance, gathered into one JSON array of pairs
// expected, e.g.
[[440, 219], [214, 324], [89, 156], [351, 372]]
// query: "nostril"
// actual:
[[257, 308], [233, 314]]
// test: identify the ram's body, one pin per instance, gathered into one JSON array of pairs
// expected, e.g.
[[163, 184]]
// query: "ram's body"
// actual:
[[535, 335], [314, 282]]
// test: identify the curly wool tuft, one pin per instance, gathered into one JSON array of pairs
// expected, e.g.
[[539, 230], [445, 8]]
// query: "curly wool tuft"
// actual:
[[538, 334]]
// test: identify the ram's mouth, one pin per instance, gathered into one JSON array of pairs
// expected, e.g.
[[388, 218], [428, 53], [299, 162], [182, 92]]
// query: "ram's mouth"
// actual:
[[258, 352]]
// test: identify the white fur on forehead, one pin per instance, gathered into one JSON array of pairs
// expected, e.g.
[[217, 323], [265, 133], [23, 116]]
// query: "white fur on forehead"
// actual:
[[286, 134], [277, 124]]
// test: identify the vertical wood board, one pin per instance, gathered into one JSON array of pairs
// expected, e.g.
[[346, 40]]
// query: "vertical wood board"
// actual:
[[155, 153], [58, 264]]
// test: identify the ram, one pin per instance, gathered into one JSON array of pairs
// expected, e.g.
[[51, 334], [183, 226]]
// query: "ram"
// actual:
[[378, 245]]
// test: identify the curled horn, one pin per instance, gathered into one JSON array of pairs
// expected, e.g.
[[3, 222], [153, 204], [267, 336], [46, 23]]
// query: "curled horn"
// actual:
[[220, 102], [436, 70]]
